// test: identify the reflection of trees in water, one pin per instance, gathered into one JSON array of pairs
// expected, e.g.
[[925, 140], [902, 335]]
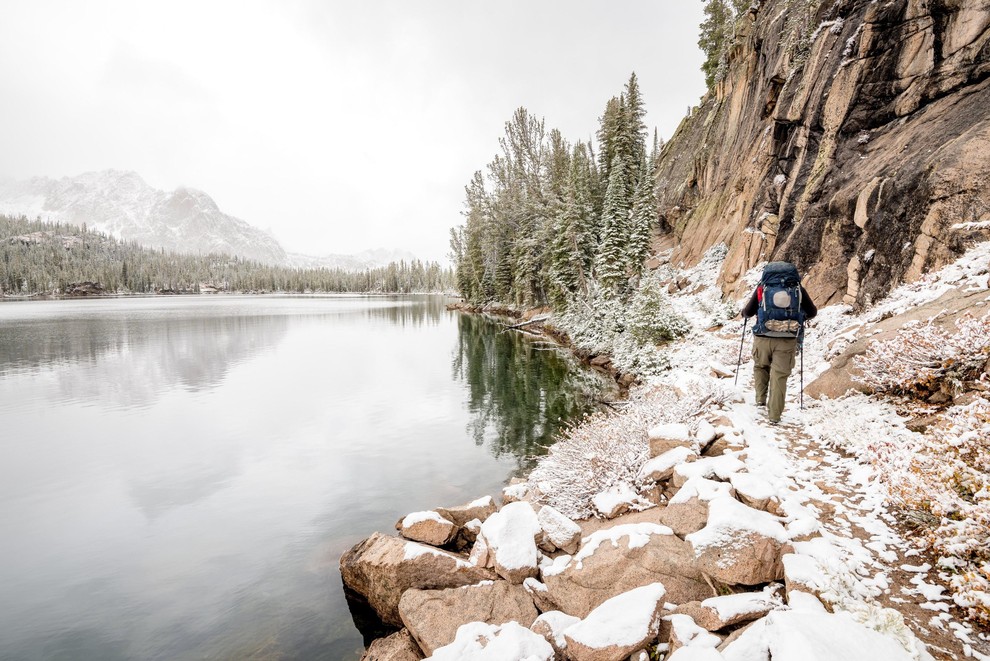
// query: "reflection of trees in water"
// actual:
[[412, 310], [129, 361], [520, 396]]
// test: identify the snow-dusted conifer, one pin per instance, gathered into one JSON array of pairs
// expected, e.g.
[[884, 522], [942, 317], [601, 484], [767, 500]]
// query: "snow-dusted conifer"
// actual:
[[716, 36], [643, 217], [634, 140], [612, 258], [612, 137], [651, 318], [573, 237]]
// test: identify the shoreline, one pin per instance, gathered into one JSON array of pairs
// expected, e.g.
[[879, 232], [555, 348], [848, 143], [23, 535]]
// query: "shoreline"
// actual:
[[77, 297], [833, 538], [601, 363]]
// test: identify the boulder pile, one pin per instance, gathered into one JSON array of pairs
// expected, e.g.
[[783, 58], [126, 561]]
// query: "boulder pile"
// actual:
[[694, 570]]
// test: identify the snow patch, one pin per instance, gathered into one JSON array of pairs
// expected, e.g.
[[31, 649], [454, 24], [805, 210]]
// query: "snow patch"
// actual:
[[727, 517], [412, 550], [421, 517], [510, 534], [638, 534], [477, 641], [625, 619]]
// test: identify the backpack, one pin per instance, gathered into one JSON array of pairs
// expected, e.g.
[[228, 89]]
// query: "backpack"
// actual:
[[778, 295]]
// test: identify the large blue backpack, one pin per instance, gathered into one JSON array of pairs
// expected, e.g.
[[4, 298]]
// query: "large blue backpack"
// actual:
[[779, 301]]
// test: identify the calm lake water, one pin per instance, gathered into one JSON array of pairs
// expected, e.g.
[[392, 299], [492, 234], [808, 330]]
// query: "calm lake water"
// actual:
[[179, 476]]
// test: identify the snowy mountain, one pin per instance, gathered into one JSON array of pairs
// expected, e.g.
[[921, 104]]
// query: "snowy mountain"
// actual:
[[123, 205], [366, 259]]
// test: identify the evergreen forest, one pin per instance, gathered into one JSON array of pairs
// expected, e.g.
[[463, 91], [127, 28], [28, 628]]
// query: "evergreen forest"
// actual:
[[549, 221], [39, 257]]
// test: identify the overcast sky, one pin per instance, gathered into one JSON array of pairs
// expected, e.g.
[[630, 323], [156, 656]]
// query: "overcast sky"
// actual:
[[339, 126]]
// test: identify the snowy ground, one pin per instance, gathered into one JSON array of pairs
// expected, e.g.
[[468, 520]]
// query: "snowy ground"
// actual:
[[822, 462]]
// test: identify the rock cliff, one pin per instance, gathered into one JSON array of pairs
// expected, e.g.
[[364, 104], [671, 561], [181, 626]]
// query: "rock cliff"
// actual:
[[851, 137]]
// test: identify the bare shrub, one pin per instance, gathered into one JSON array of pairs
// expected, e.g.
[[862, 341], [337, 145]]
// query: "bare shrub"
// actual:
[[608, 449], [923, 359]]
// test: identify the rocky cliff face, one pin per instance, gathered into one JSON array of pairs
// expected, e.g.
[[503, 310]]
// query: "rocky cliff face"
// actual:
[[851, 137]]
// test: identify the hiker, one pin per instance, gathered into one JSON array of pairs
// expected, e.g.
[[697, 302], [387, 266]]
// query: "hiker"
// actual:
[[781, 306]]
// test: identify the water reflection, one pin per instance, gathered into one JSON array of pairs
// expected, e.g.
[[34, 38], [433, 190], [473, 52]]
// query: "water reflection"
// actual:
[[129, 362], [411, 311], [518, 401], [178, 478]]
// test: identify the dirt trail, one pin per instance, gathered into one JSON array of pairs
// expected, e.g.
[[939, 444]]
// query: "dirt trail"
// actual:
[[836, 484]]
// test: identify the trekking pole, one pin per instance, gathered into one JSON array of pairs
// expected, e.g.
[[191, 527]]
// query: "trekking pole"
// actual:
[[801, 369], [802, 378], [739, 360]]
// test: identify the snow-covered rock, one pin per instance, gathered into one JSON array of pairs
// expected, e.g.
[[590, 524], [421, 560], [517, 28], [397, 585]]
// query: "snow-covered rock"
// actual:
[[662, 467], [433, 616], [400, 646], [617, 559], [717, 613], [511, 534], [515, 492], [540, 595], [703, 489], [722, 467], [619, 499], [803, 574], [739, 545], [467, 534], [721, 371], [798, 600], [669, 436], [559, 530], [685, 517], [428, 527], [481, 554], [705, 433], [619, 626], [381, 568], [754, 490], [478, 641], [479, 509], [551, 626], [680, 630], [803, 636]]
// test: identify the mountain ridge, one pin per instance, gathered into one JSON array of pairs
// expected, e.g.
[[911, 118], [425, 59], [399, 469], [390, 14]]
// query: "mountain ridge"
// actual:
[[186, 220]]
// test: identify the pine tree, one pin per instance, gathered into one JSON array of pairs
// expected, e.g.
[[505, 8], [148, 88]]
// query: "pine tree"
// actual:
[[573, 240], [586, 231], [612, 258], [644, 213], [635, 131], [716, 37], [655, 152], [612, 136], [475, 273]]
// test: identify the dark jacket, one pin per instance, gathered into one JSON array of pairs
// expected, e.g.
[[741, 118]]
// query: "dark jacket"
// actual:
[[807, 305]]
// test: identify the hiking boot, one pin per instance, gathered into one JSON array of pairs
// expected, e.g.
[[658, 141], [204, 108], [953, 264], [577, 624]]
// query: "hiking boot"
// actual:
[[774, 422]]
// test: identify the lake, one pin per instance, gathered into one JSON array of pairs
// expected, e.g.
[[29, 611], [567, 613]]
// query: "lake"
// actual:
[[179, 476]]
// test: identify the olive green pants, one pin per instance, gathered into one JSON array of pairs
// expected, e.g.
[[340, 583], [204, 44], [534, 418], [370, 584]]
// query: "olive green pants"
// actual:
[[773, 360]]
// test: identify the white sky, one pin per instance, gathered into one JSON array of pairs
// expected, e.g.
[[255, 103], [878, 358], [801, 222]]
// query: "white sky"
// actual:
[[340, 126]]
